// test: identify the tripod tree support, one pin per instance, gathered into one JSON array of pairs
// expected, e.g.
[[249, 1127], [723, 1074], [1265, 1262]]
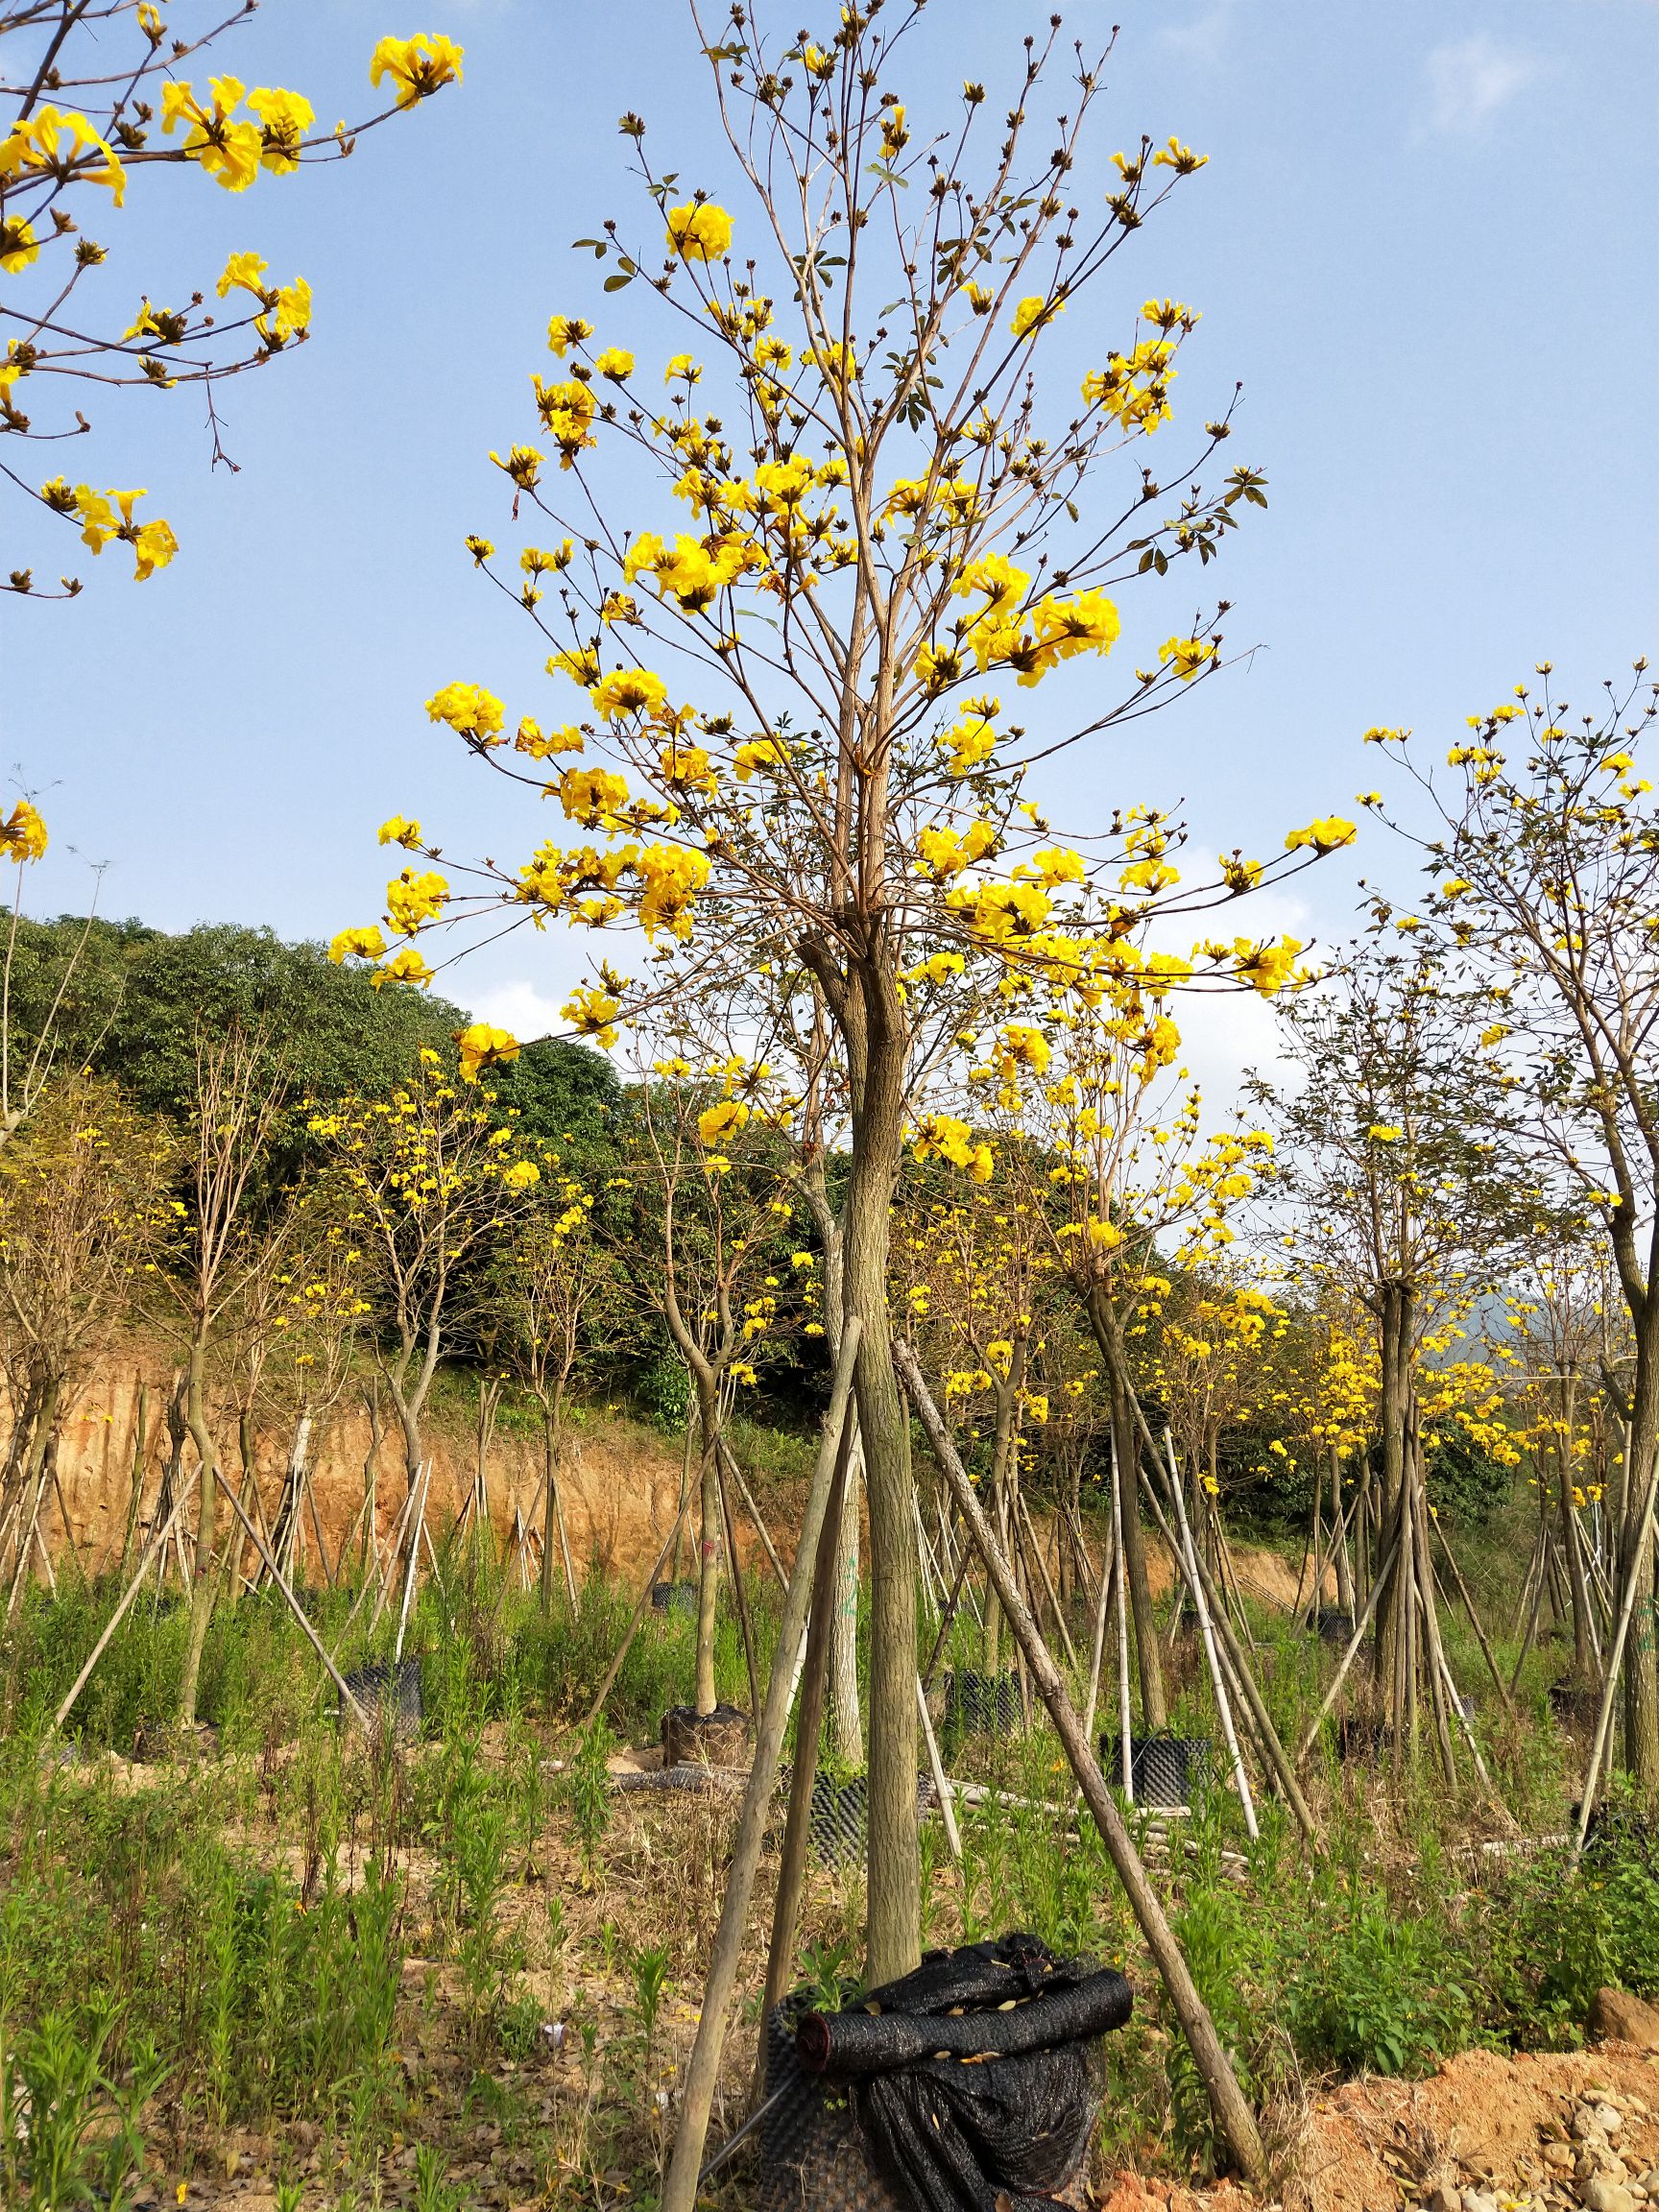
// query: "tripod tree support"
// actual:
[[680, 2189], [1229, 2107]]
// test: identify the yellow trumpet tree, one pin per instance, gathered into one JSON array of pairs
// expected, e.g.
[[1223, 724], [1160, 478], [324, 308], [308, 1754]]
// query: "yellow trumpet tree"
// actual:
[[431, 1176], [82, 1208], [790, 715], [708, 1196], [94, 95], [1542, 885]]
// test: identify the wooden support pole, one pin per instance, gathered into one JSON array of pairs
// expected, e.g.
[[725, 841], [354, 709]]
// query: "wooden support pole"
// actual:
[[1640, 1557], [294, 1605], [1502, 1687], [1357, 1638], [739, 1593], [753, 1511], [685, 2165], [639, 1614], [152, 1551], [1234, 2121]]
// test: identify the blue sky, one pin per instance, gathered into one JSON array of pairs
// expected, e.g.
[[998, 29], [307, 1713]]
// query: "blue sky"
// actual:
[[1425, 243]]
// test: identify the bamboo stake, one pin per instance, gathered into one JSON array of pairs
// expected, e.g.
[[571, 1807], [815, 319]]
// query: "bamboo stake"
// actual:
[[1474, 1623], [753, 1511], [1125, 1712], [1359, 1637], [639, 1614], [1033, 1552], [294, 1605], [1616, 1657], [1223, 1703], [425, 1484], [740, 1593], [1097, 1649], [946, 1618], [158, 1540], [1234, 2121], [680, 2185], [941, 1780]]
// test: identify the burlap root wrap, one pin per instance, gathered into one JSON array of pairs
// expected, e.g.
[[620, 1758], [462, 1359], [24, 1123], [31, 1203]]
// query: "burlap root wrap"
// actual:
[[974, 2080]]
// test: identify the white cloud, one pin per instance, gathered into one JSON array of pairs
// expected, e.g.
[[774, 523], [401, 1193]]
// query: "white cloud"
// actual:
[[1471, 79], [1227, 1034], [1204, 36], [519, 1006]]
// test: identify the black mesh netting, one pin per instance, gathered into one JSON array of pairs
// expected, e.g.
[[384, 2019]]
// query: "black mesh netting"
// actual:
[[1166, 1768], [389, 1692], [970, 2084]]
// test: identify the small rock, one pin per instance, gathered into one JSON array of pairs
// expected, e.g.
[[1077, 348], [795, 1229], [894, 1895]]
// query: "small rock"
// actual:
[[1599, 2196], [1445, 2199], [1558, 2156], [1479, 2200], [1651, 2181], [1609, 2119]]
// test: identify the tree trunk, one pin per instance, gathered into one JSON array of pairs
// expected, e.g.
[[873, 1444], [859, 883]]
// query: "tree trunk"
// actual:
[[1103, 1320], [703, 1696], [1636, 1559], [203, 1583], [1396, 1354], [895, 1867], [846, 1720], [1342, 1539]]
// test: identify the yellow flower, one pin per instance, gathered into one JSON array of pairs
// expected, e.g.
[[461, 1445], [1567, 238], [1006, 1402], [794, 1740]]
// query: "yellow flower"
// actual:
[[472, 711], [285, 117], [565, 331], [411, 900], [1181, 159], [720, 1123], [228, 151], [1267, 967], [894, 135], [398, 831], [1186, 656], [593, 1014], [629, 691], [1325, 836], [50, 139], [522, 1175], [481, 1047], [767, 753], [293, 312], [1031, 313], [366, 944], [699, 232], [1384, 1133], [588, 795], [242, 272], [416, 66], [582, 665], [22, 834], [19, 244], [152, 544], [406, 965], [616, 362]]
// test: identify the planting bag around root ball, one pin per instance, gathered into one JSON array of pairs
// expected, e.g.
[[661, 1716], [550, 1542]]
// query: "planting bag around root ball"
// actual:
[[973, 2079]]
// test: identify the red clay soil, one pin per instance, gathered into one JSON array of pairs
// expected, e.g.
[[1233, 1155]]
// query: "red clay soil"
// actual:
[[1486, 2123], [620, 1485]]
